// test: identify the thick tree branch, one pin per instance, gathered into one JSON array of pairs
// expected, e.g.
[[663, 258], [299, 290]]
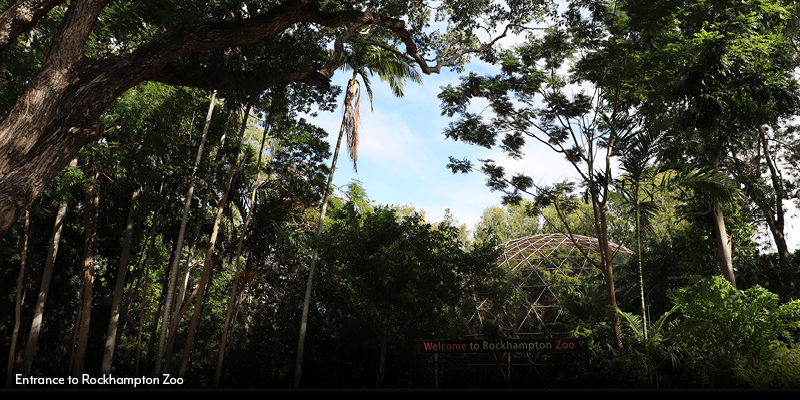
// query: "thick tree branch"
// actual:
[[338, 57], [59, 111], [192, 39], [447, 58], [239, 79], [20, 17], [68, 44]]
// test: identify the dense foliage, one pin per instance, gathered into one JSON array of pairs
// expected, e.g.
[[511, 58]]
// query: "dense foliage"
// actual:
[[181, 244]]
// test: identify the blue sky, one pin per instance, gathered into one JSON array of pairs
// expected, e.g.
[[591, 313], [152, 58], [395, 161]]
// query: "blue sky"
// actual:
[[403, 153]]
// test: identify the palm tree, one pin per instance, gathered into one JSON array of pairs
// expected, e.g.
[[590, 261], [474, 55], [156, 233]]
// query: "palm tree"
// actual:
[[641, 180], [637, 150], [364, 62], [657, 346]]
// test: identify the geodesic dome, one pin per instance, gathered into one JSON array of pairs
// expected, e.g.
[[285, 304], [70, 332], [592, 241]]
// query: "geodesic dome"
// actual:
[[543, 268]]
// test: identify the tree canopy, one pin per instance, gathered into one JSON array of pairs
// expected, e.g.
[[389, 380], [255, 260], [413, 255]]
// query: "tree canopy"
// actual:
[[399, 272], [182, 236], [64, 62]]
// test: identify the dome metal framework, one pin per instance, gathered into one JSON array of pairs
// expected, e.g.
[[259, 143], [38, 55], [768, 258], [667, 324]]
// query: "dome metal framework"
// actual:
[[542, 269]]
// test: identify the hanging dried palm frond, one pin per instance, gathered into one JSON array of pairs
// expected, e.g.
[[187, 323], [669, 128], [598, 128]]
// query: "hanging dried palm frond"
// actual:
[[352, 118]]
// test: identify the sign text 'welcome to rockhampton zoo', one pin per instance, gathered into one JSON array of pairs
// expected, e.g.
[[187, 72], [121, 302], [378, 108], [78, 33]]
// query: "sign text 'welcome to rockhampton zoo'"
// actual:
[[501, 345]]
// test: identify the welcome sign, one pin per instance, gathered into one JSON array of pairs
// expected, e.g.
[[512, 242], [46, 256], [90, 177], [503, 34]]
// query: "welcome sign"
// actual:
[[500, 345]]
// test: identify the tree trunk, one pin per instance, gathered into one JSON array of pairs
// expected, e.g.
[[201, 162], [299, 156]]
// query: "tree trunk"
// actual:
[[174, 269], [721, 238], [144, 300], [111, 335], [91, 205], [198, 224], [20, 300], [207, 265], [607, 267], [234, 286], [608, 274], [36, 326], [776, 220], [179, 312], [232, 303], [73, 339], [641, 275], [60, 107], [301, 341], [151, 355], [245, 320], [724, 247], [599, 208], [44, 287], [178, 317]]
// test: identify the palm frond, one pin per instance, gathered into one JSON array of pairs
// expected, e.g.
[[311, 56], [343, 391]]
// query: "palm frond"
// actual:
[[634, 322], [365, 61], [392, 69], [715, 185], [352, 134]]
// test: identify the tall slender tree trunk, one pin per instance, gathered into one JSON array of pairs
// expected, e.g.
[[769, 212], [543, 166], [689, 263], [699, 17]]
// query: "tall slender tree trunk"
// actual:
[[608, 274], [111, 334], [724, 246], [20, 300], [144, 267], [641, 278], [44, 287], [181, 306], [73, 340], [173, 271], [723, 241], [301, 341], [599, 208], [143, 307], [234, 287], [91, 205], [232, 304], [207, 265], [151, 344], [176, 322], [199, 217]]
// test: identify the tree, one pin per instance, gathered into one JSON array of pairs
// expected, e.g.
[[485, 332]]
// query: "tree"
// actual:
[[173, 275], [52, 251], [20, 299], [642, 182], [718, 71], [91, 205], [583, 127], [364, 62], [59, 105], [122, 270], [396, 273], [508, 222], [209, 263], [758, 169]]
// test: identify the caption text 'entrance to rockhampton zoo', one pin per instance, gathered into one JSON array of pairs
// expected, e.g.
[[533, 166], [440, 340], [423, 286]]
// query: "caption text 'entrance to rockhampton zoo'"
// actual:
[[514, 363]]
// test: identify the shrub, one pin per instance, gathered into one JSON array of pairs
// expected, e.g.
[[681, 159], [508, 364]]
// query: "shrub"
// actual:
[[732, 337]]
